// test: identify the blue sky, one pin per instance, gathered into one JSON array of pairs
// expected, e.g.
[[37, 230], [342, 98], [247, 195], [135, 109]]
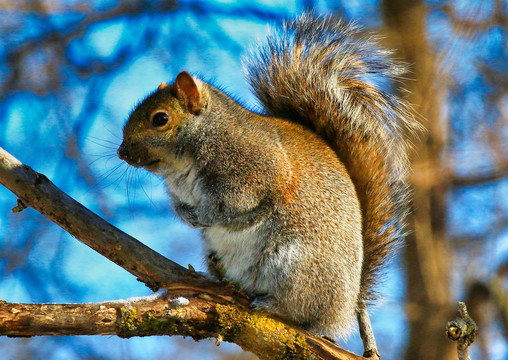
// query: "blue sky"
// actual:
[[36, 128]]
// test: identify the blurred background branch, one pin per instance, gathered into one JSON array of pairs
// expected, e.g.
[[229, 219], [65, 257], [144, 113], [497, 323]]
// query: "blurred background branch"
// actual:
[[70, 71]]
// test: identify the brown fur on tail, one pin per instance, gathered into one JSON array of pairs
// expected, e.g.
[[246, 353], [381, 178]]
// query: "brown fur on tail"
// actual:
[[322, 73]]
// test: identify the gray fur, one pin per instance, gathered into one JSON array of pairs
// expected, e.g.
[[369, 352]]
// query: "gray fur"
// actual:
[[294, 255], [282, 201], [323, 73]]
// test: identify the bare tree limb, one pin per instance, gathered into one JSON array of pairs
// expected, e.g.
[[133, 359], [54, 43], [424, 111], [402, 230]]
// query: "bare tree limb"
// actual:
[[151, 315], [36, 191], [213, 310], [194, 316], [51, 40]]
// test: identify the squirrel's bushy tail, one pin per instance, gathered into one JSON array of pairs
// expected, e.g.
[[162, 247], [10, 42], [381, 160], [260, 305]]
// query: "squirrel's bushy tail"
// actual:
[[322, 73]]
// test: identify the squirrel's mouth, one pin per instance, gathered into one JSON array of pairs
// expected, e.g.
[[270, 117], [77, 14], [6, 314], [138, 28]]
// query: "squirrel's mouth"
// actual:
[[133, 155], [143, 164], [151, 164]]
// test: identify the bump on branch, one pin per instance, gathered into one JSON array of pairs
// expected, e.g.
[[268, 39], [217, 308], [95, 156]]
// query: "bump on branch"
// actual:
[[462, 329]]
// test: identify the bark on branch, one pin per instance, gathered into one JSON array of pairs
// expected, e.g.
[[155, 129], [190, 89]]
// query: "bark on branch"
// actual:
[[463, 330], [213, 310]]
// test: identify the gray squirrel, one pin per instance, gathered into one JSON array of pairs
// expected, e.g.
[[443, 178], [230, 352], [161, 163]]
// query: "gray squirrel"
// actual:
[[300, 205]]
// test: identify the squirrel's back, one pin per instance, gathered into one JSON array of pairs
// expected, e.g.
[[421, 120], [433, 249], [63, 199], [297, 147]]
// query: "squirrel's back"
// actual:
[[322, 73]]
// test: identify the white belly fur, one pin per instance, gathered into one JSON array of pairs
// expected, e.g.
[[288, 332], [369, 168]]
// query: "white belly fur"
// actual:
[[238, 252], [182, 182]]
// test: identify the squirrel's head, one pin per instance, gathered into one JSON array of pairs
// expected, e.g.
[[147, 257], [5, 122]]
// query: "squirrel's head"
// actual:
[[150, 134]]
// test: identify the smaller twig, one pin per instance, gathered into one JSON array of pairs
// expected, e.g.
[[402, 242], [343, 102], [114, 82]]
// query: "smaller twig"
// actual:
[[462, 329], [219, 339], [19, 207]]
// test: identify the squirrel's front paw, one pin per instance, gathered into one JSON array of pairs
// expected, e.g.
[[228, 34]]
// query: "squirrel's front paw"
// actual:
[[265, 302], [189, 215]]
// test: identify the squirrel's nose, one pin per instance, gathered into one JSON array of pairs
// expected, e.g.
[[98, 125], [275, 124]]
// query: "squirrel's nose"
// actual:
[[122, 152]]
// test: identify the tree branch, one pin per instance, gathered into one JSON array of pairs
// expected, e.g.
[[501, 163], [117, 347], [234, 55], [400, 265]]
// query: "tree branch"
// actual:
[[500, 171], [468, 25], [36, 191], [213, 310], [193, 316]]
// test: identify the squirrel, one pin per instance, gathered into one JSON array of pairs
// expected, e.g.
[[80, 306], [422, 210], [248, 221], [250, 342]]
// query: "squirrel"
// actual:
[[301, 205]]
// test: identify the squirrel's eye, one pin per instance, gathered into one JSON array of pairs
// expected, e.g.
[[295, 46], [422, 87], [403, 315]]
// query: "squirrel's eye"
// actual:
[[160, 119]]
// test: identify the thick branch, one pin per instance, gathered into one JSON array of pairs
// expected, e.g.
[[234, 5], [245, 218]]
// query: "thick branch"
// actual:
[[192, 315], [213, 310]]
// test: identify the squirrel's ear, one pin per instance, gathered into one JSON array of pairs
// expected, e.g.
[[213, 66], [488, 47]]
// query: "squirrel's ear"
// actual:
[[162, 86], [189, 93]]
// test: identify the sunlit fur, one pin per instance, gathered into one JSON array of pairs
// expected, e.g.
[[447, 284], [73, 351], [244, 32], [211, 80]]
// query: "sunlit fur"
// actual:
[[324, 73], [302, 206]]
